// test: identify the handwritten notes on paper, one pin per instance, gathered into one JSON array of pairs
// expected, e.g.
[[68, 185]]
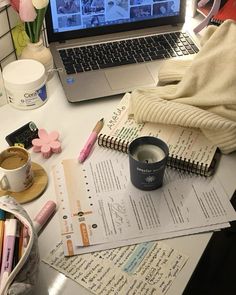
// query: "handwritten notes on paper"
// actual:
[[186, 143], [147, 268]]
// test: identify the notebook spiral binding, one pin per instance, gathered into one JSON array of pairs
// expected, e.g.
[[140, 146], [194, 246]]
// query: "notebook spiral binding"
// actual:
[[217, 22], [187, 165], [173, 161], [113, 143], [226, 11]]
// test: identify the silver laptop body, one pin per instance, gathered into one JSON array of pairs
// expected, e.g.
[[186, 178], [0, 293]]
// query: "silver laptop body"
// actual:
[[113, 80]]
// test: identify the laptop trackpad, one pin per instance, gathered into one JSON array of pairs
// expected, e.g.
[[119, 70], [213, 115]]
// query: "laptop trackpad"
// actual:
[[129, 77]]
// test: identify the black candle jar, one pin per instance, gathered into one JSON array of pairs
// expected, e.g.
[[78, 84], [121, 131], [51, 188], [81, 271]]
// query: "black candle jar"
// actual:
[[147, 159]]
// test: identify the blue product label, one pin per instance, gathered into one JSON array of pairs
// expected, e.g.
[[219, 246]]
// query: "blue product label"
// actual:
[[42, 93], [70, 80]]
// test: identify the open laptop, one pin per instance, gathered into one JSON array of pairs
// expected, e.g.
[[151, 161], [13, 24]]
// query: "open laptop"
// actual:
[[75, 28]]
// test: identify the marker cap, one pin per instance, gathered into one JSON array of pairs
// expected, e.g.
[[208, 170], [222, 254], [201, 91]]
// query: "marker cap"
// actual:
[[2, 214], [10, 227]]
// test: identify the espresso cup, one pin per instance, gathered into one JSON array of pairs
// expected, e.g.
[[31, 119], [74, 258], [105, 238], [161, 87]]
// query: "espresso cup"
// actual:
[[16, 174]]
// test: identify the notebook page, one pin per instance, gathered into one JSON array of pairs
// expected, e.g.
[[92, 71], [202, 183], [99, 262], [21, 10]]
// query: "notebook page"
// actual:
[[188, 143]]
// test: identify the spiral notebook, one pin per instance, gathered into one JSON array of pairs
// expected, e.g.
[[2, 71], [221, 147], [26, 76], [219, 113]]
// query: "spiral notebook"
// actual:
[[227, 11], [189, 149]]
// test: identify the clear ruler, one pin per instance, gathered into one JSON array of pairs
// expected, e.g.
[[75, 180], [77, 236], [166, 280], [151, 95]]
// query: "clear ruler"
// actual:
[[67, 230]]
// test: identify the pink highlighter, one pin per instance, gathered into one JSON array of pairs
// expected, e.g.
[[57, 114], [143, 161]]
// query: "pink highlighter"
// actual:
[[91, 141], [42, 217], [8, 250]]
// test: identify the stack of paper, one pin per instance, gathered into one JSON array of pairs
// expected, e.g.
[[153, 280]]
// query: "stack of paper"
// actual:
[[101, 209]]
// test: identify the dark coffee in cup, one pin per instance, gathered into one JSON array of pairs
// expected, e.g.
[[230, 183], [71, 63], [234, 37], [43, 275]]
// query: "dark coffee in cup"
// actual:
[[13, 158], [16, 172]]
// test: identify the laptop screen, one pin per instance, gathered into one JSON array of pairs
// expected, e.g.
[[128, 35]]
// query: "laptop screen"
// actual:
[[83, 17]]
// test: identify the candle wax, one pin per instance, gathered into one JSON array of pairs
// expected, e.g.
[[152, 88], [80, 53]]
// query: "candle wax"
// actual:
[[148, 153]]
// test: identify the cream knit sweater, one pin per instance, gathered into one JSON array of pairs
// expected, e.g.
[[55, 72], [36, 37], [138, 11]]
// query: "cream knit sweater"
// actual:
[[204, 98]]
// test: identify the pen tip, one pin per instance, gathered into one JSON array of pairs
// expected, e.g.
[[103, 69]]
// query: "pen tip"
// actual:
[[81, 159]]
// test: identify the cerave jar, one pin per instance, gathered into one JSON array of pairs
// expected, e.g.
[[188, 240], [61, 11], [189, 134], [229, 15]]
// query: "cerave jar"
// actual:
[[25, 83]]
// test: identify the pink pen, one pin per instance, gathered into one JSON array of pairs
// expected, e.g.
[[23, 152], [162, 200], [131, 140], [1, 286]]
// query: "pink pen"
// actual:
[[90, 142], [8, 250], [42, 217]]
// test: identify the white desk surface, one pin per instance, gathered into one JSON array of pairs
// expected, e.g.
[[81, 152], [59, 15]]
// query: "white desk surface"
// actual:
[[75, 122]]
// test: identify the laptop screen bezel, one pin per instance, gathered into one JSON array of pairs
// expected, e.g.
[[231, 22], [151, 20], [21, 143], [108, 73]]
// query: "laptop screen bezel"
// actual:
[[109, 29]]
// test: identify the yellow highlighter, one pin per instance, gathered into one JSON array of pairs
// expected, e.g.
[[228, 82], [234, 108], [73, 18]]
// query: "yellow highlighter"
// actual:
[[2, 220]]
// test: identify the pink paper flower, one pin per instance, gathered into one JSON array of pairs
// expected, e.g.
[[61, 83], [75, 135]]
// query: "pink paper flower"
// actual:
[[46, 143], [15, 4], [27, 11], [32, 13], [39, 4]]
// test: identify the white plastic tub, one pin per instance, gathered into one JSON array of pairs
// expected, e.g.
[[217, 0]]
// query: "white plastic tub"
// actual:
[[25, 83]]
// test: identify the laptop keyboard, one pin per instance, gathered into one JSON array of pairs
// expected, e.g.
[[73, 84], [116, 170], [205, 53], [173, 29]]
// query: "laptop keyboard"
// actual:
[[124, 52]]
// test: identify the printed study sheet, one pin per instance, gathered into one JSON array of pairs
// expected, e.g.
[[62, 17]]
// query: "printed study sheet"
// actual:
[[100, 207]]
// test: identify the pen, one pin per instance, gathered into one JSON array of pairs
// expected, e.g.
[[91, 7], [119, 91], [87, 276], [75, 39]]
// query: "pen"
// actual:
[[24, 239], [8, 250], [2, 219], [42, 217], [21, 240], [90, 142], [16, 256]]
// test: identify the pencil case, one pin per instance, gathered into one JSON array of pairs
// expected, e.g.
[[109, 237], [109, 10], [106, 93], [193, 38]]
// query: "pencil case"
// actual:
[[23, 276]]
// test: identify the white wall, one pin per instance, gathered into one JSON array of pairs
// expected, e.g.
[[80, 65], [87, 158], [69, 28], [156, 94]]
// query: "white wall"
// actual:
[[8, 20]]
